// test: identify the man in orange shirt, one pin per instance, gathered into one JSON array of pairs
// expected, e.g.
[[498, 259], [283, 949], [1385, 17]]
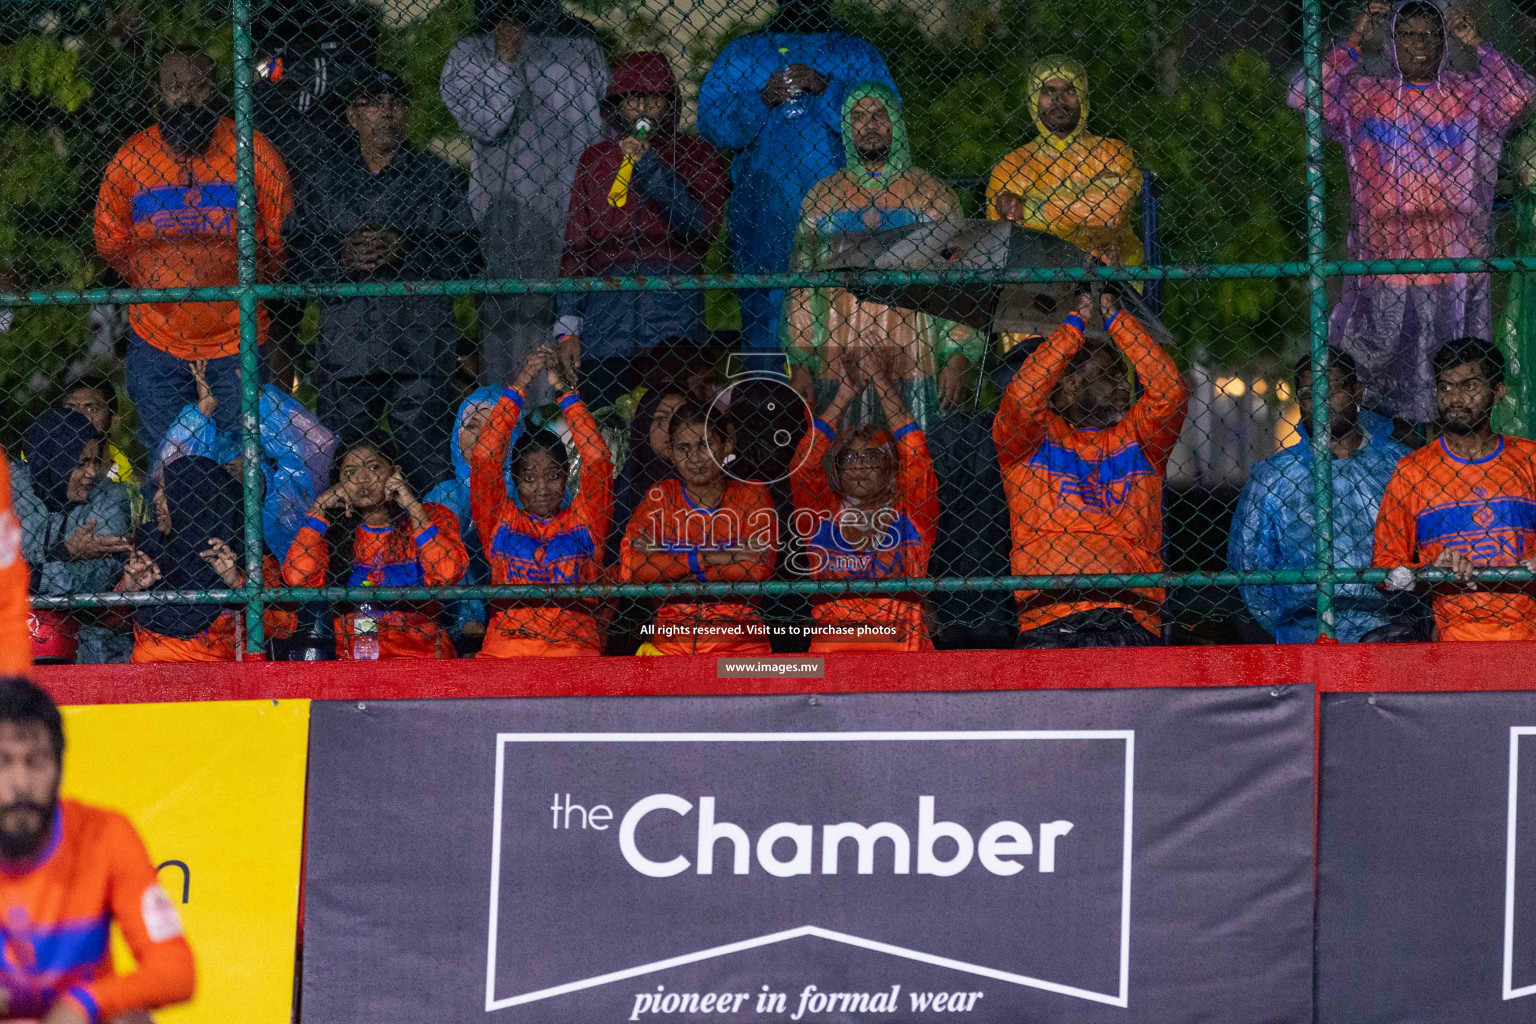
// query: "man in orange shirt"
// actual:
[[1464, 502], [165, 218], [68, 872], [15, 637], [1083, 470]]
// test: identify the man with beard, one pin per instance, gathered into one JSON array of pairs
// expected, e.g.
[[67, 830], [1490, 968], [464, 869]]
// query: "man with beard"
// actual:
[[877, 189], [1273, 525], [1421, 104], [1076, 186], [1464, 502], [68, 872], [1083, 468], [165, 218]]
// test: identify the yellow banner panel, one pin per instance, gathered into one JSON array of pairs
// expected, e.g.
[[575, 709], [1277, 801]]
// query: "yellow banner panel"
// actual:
[[217, 791]]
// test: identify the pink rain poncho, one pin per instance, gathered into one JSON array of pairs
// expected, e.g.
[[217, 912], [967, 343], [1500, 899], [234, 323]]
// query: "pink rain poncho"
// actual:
[[1423, 160]]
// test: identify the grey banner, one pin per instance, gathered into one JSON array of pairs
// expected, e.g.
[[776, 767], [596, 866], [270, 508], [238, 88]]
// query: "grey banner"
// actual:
[[1130, 855], [1427, 859]]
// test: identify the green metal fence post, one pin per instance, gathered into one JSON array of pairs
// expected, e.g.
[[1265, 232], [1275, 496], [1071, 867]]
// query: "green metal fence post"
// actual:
[[250, 356], [1317, 293]]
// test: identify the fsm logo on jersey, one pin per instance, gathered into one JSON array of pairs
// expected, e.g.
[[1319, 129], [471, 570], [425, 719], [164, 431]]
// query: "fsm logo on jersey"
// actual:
[[802, 875]]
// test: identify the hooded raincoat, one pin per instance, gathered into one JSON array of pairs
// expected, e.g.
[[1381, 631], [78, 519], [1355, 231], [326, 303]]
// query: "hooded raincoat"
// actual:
[[1272, 529], [1423, 160], [1077, 186], [453, 494], [662, 224], [529, 120], [296, 452], [781, 152], [39, 492], [823, 323]]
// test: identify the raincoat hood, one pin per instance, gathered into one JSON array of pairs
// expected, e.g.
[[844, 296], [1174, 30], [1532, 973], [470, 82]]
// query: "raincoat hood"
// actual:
[[1383, 63], [1058, 65], [899, 160], [480, 398], [53, 443], [648, 72]]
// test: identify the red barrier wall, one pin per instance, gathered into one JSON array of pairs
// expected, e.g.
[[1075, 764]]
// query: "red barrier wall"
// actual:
[[1333, 667]]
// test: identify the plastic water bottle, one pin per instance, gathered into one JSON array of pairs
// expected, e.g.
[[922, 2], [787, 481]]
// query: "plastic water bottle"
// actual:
[[798, 104], [365, 633]]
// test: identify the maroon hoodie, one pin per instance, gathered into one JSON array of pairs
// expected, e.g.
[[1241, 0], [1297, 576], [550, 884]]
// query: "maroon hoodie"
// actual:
[[600, 239]]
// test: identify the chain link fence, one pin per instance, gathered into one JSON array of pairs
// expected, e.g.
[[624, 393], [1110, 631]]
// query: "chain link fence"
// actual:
[[423, 328]]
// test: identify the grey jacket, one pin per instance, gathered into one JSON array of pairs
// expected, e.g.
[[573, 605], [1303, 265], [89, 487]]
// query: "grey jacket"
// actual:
[[529, 121], [43, 534]]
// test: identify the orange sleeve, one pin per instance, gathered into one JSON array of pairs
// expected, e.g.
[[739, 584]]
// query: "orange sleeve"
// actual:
[[487, 483], [809, 487], [274, 202], [114, 215], [440, 549], [636, 567], [1024, 411], [1159, 414], [594, 494], [308, 555], [15, 637], [1397, 525], [919, 490], [166, 974], [759, 524]]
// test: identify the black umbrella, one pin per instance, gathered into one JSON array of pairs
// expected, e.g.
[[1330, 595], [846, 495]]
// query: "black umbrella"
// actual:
[[987, 246]]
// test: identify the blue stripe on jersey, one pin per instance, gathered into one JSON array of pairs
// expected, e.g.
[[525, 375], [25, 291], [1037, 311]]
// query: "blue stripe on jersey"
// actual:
[[1477, 518], [61, 948], [179, 209], [394, 574], [1098, 484], [556, 560]]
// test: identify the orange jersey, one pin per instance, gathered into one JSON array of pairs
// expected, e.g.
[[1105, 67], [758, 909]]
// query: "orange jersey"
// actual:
[[221, 641], [58, 912], [167, 221], [1088, 501], [525, 549], [384, 556], [1486, 508], [901, 548], [686, 533], [15, 637]]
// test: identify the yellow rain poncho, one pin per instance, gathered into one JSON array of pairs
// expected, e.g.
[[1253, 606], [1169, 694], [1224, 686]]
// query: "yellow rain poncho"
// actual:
[[1077, 186]]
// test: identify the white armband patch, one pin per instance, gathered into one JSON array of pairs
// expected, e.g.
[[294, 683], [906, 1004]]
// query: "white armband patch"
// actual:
[[160, 918], [10, 539]]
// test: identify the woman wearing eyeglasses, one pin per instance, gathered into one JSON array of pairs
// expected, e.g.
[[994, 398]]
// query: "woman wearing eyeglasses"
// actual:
[[866, 504]]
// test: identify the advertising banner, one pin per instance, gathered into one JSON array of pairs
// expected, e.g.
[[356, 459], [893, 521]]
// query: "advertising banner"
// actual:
[[1427, 858], [1044, 856], [217, 791]]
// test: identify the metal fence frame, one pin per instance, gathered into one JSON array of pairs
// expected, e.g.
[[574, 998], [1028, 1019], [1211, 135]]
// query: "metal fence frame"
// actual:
[[255, 596]]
